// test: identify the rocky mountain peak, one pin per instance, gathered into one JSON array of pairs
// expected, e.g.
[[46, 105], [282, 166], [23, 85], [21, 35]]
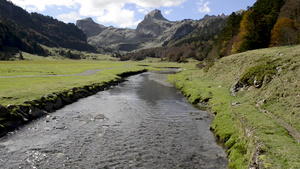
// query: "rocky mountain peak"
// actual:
[[153, 31], [153, 25], [86, 21], [89, 27], [155, 14]]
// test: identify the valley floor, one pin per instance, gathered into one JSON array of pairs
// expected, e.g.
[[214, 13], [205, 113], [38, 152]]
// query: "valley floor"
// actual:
[[259, 125]]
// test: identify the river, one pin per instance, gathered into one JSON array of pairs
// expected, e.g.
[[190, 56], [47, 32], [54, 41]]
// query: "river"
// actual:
[[142, 123]]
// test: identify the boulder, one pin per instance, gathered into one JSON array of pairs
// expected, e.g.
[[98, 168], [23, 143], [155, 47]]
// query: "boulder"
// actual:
[[24, 108], [236, 87], [66, 100], [48, 106], [11, 125], [3, 111], [260, 103], [257, 83], [2, 131], [36, 112], [58, 104], [235, 103]]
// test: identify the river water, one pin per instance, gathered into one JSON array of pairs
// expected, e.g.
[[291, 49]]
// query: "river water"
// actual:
[[142, 123]]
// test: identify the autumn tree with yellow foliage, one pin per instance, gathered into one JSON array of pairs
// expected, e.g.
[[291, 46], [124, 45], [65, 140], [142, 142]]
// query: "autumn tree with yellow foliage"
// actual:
[[284, 33]]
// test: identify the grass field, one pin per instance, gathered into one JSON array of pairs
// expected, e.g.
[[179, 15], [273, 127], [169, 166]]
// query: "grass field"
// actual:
[[248, 128], [250, 131], [19, 89]]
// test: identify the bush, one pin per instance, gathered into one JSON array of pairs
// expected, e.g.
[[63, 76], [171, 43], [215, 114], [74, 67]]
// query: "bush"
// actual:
[[259, 72]]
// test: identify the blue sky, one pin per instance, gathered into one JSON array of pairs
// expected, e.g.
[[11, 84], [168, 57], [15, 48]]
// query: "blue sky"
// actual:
[[128, 13]]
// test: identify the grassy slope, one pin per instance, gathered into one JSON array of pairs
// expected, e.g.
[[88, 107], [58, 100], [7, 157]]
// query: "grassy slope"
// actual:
[[239, 123]]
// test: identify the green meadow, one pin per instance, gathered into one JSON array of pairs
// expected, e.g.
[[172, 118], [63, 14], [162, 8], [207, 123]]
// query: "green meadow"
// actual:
[[31, 83], [258, 124]]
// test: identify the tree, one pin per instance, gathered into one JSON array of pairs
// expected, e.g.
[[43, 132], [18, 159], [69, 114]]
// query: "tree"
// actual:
[[245, 23], [259, 24], [284, 33]]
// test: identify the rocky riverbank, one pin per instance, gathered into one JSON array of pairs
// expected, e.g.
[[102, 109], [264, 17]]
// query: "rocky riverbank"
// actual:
[[15, 116]]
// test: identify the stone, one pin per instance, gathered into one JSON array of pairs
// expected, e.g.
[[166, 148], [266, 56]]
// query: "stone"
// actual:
[[49, 96], [3, 111], [257, 83], [36, 112], [58, 104], [236, 87], [48, 106], [2, 131], [11, 125], [279, 54], [260, 103], [279, 69], [251, 88], [235, 103], [66, 100]]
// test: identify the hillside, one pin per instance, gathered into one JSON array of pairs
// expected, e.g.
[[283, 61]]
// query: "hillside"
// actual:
[[266, 24], [20, 30], [255, 98], [153, 31]]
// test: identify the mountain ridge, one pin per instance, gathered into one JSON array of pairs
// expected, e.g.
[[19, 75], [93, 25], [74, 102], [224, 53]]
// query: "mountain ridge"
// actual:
[[153, 31], [20, 30]]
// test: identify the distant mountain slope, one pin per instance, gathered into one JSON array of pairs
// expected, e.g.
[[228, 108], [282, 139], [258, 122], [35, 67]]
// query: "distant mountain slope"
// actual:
[[16, 24], [268, 23], [153, 31]]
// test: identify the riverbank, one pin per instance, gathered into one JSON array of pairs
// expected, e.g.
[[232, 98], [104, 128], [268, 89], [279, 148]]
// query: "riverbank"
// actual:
[[14, 116], [141, 123], [255, 99]]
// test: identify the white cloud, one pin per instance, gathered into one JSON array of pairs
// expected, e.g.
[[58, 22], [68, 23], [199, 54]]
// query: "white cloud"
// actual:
[[156, 3], [41, 5], [203, 7], [143, 10], [168, 12], [106, 11], [117, 15], [70, 17]]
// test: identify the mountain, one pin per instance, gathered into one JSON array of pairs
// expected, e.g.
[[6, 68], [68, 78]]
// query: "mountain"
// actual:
[[25, 31], [153, 25], [153, 31], [267, 23], [185, 39], [106, 38]]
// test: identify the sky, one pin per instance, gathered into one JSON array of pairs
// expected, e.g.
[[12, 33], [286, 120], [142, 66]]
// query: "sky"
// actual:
[[128, 13]]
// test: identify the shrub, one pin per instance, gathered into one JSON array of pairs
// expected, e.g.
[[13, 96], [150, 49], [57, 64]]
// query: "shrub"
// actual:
[[260, 71]]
